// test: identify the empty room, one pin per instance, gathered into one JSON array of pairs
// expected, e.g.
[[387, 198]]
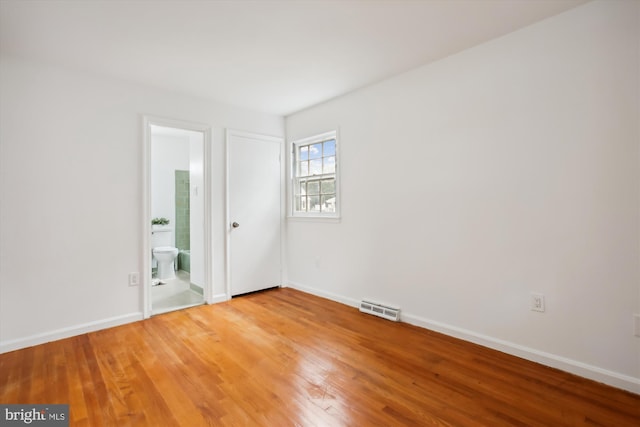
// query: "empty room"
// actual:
[[320, 213]]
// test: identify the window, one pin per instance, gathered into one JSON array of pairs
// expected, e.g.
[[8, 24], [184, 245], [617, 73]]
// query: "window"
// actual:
[[315, 176]]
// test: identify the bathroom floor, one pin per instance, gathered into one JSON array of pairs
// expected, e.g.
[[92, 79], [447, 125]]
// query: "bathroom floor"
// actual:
[[174, 294]]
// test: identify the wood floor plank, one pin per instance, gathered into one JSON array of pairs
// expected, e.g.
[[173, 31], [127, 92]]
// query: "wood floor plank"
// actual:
[[286, 358]]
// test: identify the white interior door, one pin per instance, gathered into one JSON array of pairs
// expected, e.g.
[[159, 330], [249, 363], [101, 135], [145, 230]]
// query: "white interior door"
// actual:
[[254, 220]]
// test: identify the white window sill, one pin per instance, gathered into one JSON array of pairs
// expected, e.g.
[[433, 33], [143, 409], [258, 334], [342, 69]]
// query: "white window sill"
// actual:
[[328, 219]]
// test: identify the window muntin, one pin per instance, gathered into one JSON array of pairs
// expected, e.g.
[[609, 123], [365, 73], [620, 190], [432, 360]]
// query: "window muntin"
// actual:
[[315, 176]]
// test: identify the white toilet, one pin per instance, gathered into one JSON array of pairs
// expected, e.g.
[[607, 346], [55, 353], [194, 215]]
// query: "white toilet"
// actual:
[[163, 252]]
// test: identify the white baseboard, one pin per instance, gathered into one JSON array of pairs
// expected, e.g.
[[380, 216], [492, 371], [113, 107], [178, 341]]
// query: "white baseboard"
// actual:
[[218, 298], [328, 295], [58, 334], [584, 370], [568, 365]]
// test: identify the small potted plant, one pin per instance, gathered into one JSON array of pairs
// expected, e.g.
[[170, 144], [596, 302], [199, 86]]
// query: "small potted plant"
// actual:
[[159, 223]]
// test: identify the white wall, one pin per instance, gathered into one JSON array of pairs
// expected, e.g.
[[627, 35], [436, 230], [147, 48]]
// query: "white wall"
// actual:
[[71, 195], [507, 169]]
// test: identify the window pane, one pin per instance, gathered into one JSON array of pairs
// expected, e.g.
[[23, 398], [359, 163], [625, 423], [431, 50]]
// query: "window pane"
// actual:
[[314, 204], [304, 153], [329, 164], [329, 203], [304, 168], [315, 167], [313, 187], [315, 151], [328, 186], [315, 176], [329, 148]]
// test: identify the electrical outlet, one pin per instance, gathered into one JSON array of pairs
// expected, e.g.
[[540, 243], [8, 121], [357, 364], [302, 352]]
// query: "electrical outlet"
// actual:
[[636, 325], [537, 302], [134, 279]]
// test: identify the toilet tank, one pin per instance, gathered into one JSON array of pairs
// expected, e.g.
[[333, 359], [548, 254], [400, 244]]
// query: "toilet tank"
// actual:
[[162, 237]]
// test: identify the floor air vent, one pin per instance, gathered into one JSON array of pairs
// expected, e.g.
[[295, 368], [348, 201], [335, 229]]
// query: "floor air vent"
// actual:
[[381, 310]]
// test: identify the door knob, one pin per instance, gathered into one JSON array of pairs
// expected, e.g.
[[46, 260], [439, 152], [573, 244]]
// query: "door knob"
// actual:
[[235, 225]]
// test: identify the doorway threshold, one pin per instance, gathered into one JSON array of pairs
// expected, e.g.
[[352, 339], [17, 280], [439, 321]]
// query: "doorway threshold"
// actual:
[[163, 310]]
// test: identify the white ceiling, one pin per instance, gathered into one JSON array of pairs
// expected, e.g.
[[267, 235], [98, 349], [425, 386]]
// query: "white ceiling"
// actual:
[[273, 56]]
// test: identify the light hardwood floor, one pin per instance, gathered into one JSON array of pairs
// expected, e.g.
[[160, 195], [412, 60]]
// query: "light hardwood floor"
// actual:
[[286, 358]]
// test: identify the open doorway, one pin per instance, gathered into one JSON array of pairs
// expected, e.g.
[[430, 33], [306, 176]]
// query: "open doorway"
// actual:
[[177, 270]]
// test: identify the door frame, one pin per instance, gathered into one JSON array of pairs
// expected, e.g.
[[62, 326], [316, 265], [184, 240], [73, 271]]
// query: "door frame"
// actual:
[[145, 282], [227, 241]]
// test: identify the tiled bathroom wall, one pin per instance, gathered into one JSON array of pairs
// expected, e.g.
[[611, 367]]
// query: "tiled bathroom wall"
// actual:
[[182, 210]]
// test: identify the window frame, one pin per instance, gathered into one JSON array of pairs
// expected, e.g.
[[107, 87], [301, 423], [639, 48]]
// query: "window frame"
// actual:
[[294, 177]]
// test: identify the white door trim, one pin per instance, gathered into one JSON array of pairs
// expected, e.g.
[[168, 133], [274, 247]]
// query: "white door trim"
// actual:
[[145, 282], [227, 239]]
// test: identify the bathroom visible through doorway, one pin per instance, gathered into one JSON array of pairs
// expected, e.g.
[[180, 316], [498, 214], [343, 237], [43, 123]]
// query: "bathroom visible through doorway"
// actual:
[[177, 218]]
